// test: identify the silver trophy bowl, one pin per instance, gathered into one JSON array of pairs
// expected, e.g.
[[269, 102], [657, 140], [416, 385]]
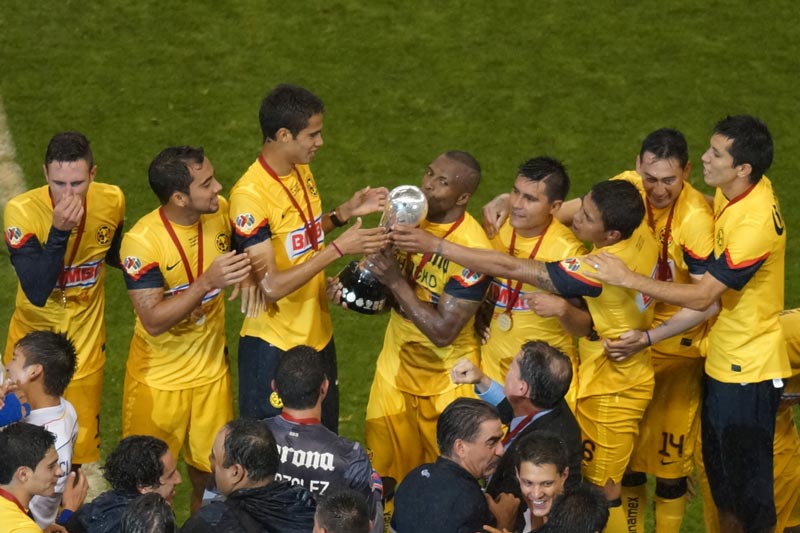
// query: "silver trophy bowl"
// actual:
[[361, 291]]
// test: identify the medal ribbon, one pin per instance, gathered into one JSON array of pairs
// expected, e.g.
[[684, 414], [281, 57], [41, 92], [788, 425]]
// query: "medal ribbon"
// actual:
[[733, 201], [427, 257], [511, 434], [10, 497], [177, 243], [308, 222], [75, 246], [663, 271], [514, 295], [301, 421]]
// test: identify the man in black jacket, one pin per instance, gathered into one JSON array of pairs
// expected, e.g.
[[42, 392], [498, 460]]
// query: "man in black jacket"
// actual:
[[244, 459], [531, 400]]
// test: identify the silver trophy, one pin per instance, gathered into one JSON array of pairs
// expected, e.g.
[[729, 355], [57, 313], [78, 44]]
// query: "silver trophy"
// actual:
[[361, 291]]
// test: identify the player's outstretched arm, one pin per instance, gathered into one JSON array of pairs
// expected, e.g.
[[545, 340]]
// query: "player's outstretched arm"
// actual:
[[494, 214], [363, 202], [699, 296], [276, 283], [159, 314]]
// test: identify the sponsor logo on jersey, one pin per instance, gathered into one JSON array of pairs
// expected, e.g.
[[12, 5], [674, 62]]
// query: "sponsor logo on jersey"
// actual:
[[14, 236], [223, 242], [84, 275], [503, 292], [470, 277], [297, 241], [103, 235], [131, 265], [245, 222], [306, 459], [573, 264]]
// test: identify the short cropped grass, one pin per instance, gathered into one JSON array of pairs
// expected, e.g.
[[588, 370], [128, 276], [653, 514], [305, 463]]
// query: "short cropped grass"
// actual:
[[403, 82]]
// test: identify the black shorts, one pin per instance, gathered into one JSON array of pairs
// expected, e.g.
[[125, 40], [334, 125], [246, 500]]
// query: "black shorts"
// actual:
[[738, 427]]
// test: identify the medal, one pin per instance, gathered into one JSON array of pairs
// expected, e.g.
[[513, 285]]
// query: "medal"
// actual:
[[198, 316], [504, 322]]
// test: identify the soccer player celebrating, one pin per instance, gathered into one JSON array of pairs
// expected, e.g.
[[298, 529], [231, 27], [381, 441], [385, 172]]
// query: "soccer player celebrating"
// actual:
[[60, 237], [277, 215], [747, 357], [176, 263], [612, 395]]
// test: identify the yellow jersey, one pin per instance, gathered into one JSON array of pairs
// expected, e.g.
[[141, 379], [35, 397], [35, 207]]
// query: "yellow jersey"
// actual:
[[191, 353], [261, 209], [409, 360], [79, 311], [746, 343]]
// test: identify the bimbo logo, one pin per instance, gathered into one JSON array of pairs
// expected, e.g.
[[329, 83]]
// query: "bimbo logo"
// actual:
[[298, 243], [84, 275]]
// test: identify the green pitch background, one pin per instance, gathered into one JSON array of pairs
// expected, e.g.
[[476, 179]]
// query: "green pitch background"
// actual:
[[402, 82]]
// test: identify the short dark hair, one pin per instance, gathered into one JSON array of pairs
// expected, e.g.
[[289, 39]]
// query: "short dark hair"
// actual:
[[69, 146], [22, 444], [250, 443], [547, 371], [666, 143], [287, 106], [471, 181], [149, 513], [299, 376], [136, 463], [344, 511], [462, 419], [620, 205], [169, 172], [57, 355], [583, 509], [752, 142], [543, 448], [550, 172]]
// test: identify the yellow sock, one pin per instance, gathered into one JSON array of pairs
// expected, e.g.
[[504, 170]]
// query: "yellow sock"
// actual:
[[669, 514], [616, 520], [634, 503]]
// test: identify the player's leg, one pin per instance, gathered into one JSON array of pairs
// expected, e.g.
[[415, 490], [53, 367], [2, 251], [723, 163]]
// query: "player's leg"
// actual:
[[211, 408], [258, 361], [85, 396]]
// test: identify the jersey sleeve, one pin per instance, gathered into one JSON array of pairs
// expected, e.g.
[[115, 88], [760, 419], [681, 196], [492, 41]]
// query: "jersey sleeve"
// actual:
[[36, 266], [697, 243], [467, 285], [249, 219], [743, 256], [139, 265], [568, 277]]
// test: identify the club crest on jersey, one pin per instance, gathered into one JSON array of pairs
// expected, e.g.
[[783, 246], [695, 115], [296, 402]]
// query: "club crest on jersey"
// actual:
[[312, 188], [275, 400], [132, 264], [103, 235], [573, 264], [720, 239], [245, 222], [223, 242], [665, 235], [14, 236]]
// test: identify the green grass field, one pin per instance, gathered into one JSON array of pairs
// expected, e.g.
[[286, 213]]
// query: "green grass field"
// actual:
[[403, 82]]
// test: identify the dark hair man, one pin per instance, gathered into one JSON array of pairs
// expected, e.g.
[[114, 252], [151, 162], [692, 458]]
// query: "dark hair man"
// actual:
[[445, 496], [582, 509], [176, 264], [276, 211], [41, 368], [610, 218], [29, 467], [245, 460], [344, 511], [542, 470], [312, 455], [746, 360], [140, 464], [60, 237], [149, 513]]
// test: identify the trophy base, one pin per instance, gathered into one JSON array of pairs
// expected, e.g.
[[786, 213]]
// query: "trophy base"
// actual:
[[361, 292]]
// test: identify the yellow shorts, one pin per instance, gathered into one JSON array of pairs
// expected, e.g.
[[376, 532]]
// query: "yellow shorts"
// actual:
[[85, 395], [400, 429], [187, 419], [668, 431], [609, 425]]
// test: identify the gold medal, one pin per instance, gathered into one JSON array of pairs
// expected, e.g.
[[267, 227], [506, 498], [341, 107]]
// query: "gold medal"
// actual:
[[63, 298], [198, 316], [504, 322]]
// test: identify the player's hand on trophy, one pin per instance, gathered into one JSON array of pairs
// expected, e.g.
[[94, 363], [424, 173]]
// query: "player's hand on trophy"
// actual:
[[226, 270], [608, 269], [364, 202], [412, 239], [67, 212], [627, 345], [494, 214], [361, 241], [384, 267], [546, 304], [334, 291]]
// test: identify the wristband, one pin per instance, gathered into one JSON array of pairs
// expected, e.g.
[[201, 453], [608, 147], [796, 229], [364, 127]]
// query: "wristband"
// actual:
[[63, 517], [333, 243], [649, 340], [336, 220]]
